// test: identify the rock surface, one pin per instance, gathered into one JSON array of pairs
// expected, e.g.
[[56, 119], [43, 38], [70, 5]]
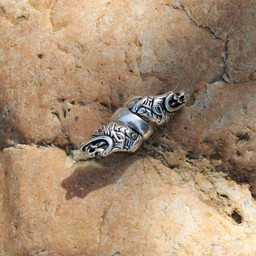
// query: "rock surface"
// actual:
[[219, 123], [85, 59], [66, 66], [129, 207]]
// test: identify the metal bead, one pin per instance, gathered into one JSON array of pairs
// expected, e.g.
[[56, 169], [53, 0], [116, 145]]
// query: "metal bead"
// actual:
[[113, 137], [130, 126], [135, 122]]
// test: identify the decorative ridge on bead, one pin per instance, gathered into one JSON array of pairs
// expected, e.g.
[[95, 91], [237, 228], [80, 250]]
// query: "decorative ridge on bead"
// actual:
[[129, 126]]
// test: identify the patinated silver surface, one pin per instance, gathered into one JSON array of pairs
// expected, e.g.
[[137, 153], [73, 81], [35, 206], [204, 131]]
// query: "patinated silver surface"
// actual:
[[129, 126], [132, 120], [157, 109], [113, 137]]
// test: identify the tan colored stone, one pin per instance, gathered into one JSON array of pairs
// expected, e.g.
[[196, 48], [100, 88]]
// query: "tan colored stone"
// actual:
[[233, 23], [2, 229], [132, 206], [220, 124], [65, 66]]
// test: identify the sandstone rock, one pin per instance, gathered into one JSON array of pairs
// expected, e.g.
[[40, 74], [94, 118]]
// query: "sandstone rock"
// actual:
[[1, 210], [123, 207], [218, 123], [233, 23], [66, 66]]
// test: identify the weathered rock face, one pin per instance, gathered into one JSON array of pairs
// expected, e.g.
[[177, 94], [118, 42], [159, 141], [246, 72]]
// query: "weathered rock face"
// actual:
[[232, 22], [218, 123], [66, 66], [131, 206], [85, 59]]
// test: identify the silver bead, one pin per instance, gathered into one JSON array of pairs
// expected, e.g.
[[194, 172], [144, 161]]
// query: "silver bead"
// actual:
[[130, 127], [157, 109], [125, 116], [113, 137]]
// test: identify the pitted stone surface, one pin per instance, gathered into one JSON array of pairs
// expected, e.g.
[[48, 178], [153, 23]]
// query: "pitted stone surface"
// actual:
[[124, 207], [66, 66]]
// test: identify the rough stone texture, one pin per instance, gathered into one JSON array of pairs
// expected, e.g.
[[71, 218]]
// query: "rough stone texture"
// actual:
[[65, 66], [233, 23], [2, 251], [135, 206], [78, 61], [218, 123]]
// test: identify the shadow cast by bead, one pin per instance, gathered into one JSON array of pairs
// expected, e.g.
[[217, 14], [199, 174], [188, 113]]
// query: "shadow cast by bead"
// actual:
[[91, 176]]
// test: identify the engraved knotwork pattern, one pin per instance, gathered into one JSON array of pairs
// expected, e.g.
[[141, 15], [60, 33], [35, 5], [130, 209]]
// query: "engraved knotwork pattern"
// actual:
[[151, 108], [126, 131], [157, 109], [112, 137]]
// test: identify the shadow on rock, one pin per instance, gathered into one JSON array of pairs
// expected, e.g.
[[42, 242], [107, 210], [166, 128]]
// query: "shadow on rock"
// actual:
[[96, 174]]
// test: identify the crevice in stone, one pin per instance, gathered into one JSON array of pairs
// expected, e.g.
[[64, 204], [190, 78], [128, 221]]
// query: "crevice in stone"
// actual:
[[40, 55], [14, 20], [2, 9], [108, 106], [225, 76], [44, 251], [243, 137], [81, 47], [68, 147], [227, 170], [190, 17], [101, 17], [252, 189], [128, 65], [153, 74], [56, 114], [24, 17], [6, 112], [139, 45], [239, 175], [236, 217], [192, 155], [154, 151], [103, 221]]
